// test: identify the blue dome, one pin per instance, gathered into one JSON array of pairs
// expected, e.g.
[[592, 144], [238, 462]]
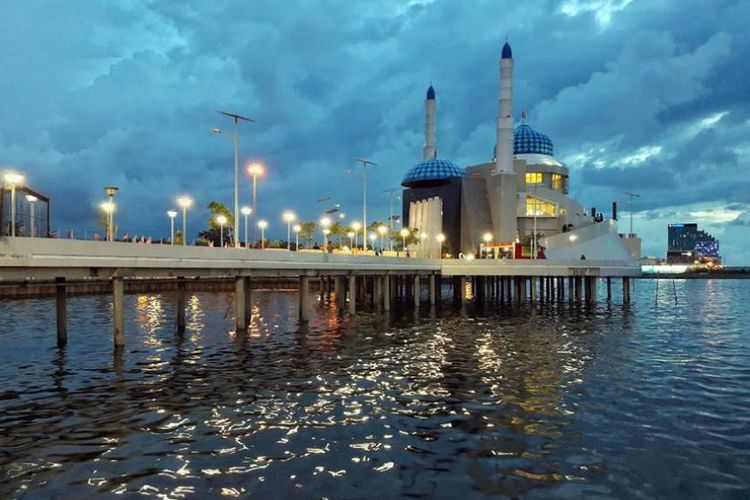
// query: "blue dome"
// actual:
[[526, 140], [507, 53], [432, 171]]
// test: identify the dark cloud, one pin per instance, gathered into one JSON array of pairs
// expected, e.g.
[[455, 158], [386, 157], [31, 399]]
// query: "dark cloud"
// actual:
[[125, 92]]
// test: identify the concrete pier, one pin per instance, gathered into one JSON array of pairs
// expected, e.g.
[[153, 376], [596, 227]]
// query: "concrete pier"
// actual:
[[62, 312], [417, 291], [240, 304], [180, 304], [352, 294], [386, 293], [118, 309], [304, 298], [432, 290]]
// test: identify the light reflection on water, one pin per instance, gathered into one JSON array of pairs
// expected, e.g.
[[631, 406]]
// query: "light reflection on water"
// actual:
[[554, 400]]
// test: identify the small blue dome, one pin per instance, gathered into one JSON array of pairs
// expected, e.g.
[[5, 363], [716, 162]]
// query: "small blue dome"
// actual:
[[430, 93], [507, 53], [526, 140], [434, 171]]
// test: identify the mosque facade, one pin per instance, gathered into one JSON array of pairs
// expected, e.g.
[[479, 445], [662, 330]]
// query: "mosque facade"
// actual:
[[500, 204]]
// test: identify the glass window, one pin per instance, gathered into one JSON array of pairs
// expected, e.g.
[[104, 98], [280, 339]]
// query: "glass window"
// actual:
[[540, 207], [557, 182], [533, 177]]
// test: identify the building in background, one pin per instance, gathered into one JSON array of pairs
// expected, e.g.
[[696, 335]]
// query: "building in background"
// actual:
[[686, 244], [32, 212], [502, 203]]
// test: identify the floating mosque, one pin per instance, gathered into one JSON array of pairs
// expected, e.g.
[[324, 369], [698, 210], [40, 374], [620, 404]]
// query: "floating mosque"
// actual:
[[493, 208]]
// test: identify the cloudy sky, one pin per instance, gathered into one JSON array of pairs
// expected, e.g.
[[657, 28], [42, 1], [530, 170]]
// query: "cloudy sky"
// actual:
[[648, 96]]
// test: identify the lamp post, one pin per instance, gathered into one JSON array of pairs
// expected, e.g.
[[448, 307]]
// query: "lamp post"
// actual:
[[325, 223], [632, 197], [255, 170], [356, 226], [404, 234], [32, 210], [111, 191], [13, 179], [391, 191], [364, 188], [440, 239], [172, 214], [350, 235], [184, 202], [221, 220], [262, 224], [245, 211], [382, 229], [289, 217], [487, 238], [236, 118], [422, 239], [296, 228], [373, 237], [109, 208]]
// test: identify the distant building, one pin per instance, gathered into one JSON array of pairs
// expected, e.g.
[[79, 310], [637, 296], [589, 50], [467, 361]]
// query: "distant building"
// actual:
[[500, 205], [31, 212], [686, 244]]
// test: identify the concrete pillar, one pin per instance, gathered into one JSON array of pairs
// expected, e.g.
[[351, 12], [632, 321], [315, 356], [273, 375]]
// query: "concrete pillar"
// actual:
[[587, 289], [322, 285], [533, 289], [180, 304], [118, 297], [352, 294], [432, 290], [461, 282], [626, 290], [577, 280], [571, 290], [340, 290], [62, 312], [386, 293], [592, 289], [304, 292], [520, 288], [248, 299], [240, 304], [417, 291], [609, 288], [377, 291]]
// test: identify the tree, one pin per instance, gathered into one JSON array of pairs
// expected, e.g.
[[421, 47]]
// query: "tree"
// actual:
[[307, 232], [213, 233], [178, 238]]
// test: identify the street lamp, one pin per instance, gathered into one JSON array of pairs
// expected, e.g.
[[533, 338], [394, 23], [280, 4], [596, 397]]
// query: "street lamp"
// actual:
[[172, 214], [325, 223], [296, 228], [356, 226], [351, 235], [440, 239], [404, 234], [422, 239], [262, 224], [487, 237], [382, 229], [184, 202], [221, 220], [111, 191], [289, 217], [108, 207], [364, 188], [255, 170], [32, 200], [246, 211], [372, 237], [236, 118]]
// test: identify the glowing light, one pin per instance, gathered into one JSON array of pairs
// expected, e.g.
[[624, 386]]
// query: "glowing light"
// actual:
[[107, 206], [382, 229], [262, 224], [221, 220], [31, 198], [289, 216], [296, 228], [172, 213], [404, 233], [325, 222], [372, 236], [487, 237], [256, 169], [13, 178], [572, 237], [185, 201], [356, 225], [350, 234], [440, 237], [246, 210]]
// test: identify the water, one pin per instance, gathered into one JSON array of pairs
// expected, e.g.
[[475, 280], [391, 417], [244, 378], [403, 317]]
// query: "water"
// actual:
[[539, 402]]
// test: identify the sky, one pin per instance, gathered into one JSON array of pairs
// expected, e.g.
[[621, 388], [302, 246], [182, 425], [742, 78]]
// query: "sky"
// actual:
[[645, 96]]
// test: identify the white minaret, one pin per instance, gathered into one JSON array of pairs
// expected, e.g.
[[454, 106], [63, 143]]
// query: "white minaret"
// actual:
[[504, 155], [429, 151]]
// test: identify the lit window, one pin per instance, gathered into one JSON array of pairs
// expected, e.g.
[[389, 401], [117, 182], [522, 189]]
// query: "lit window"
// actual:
[[557, 182], [533, 178], [540, 207]]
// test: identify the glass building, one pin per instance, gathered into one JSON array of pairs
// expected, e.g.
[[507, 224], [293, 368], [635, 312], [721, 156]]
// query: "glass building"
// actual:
[[687, 244]]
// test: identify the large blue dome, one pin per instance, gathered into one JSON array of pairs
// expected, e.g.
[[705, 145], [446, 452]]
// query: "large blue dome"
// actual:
[[526, 140], [433, 171]]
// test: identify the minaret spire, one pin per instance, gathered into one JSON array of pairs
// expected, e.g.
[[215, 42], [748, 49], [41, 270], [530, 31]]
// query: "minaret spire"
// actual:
[[430, 150], [504, 154]]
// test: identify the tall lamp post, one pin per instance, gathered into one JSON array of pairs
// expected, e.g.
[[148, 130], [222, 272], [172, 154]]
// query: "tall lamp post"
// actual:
[[364, 188], [184, 202], [111, 191], [109, 208], [422, 239], [350, 235], [245, 212], [373, 238], [356, 226], [440, 239], [262, 224], [171, 214], [13, 179], [392, 192], [255, 170], [289, 217], [236, 118], [325, 223], [404, 234], [32, 211], [382, 229], [221, 220]]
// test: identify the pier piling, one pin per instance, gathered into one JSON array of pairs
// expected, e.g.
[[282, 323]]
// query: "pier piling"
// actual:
[[62, 311], [118, 296], [240, 304], [352, 294], [304, 292]]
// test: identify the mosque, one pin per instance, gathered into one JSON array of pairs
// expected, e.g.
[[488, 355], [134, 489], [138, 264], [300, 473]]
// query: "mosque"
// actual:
[[493, 208]]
